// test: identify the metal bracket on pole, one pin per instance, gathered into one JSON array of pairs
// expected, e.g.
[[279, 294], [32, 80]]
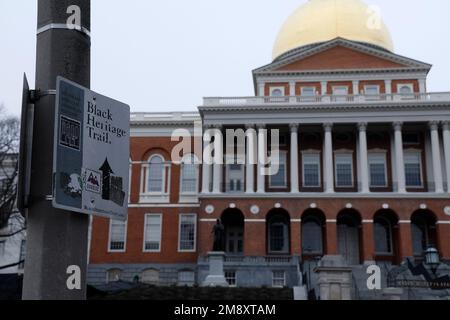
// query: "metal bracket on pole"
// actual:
[[36, 95]]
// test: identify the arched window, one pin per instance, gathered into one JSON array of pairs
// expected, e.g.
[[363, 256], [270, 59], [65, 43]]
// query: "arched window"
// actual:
[[156, 174], [405, 89], [423, 228], [383, 235], [189, 175], [113, 275], [278, 224], [277, 93], [150, 276], [312, 236]]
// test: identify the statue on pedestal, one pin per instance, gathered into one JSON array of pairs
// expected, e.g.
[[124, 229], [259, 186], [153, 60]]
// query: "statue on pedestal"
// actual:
[[219, 236]]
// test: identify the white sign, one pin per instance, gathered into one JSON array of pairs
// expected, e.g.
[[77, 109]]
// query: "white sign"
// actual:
[[91, 152]]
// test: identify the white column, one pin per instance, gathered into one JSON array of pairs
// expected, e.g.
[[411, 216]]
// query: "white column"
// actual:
[[218, 167], [363, 158], [292, 94], [328, 159], [261, 88], [422, 85], [251, 150], [262, 156], [399, 158], [388, 85], [324, 87], [294, 158], [206, 167], [355, 87], [446, 135], [436, 153]]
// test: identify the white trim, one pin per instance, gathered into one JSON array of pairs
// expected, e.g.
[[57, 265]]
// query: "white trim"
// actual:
[[296, 220], [163, 205], [404, 221], [409, 85], [109, 250], [254, 220], [442, 222], [368, 221], [195, 231], [160, 232], [331, 221], [208, 220]]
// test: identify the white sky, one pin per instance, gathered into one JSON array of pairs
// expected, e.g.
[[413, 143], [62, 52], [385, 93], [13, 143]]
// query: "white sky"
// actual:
[[167, 55]]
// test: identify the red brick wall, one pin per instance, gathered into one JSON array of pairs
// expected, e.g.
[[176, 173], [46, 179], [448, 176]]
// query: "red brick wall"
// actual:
[[340, 58]]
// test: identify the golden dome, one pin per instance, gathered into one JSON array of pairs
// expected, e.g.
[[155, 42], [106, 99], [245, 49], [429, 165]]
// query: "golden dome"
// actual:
[[323, 20]]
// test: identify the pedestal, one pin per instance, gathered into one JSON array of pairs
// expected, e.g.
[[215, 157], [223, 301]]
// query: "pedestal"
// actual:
[[216, 276], [335, 278]]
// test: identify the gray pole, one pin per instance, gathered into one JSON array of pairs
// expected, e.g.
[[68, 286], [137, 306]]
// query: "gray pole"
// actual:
[[56, 239]]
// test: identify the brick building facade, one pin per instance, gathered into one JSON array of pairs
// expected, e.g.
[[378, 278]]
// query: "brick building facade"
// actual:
[[364, 172]]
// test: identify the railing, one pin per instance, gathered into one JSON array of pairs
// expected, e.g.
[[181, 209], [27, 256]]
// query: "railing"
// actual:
[[326, 99], [254, 259]]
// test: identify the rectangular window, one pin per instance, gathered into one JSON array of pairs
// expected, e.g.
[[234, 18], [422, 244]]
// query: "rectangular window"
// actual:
[[372, 90], [187, 232], [311, 170], [378, 170], [279, 180], [23, 252], [152, 233], [278, 279], [308, 91], [344, 170], [340, 93], [230, 276], [117, 235], [277, 91], [189, 178], [413, 169]]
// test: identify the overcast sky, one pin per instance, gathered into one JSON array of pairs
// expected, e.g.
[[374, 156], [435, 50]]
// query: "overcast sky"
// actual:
[[167, 55]]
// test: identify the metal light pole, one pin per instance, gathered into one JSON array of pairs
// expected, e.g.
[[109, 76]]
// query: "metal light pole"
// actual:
[[56, 239]]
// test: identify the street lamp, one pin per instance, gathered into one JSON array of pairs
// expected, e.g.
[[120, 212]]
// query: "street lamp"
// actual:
[[432, 259]]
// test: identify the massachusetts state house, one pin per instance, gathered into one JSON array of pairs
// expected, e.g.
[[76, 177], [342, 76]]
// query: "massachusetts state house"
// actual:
[[364, 167]]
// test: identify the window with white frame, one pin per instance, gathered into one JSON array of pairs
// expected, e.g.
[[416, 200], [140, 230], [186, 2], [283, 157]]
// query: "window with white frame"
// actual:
[[156, 175], [371, 90], [308, 91], [377, 169], [279, 180], [23, 252], [152, 232], [187, 232], [189, 175], [344, 170], [405, 88], [278, 279], [186, 278], [117, 235], [413, 169], [113, 275], [311, 170], [230, 276], [277, 91]]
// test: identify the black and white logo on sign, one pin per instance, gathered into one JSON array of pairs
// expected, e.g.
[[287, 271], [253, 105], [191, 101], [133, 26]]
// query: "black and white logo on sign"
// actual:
[[70, 133]]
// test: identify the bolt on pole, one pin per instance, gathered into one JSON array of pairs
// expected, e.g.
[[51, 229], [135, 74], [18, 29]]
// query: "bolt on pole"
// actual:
[[57, 240]]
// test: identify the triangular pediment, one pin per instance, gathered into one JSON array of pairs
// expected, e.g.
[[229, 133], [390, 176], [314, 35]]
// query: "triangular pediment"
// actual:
[[340, 54]]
